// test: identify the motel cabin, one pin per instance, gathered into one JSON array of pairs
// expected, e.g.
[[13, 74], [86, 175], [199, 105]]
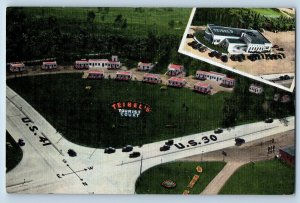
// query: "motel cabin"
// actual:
[[95, 74], [105, 63], [49, 65], [203, 75], [174, 69], [176, 82], [202, 87], [81, 64], [145, 66], [151, 78], [17, 67], [228, 82], [124, 75], [255, 89]]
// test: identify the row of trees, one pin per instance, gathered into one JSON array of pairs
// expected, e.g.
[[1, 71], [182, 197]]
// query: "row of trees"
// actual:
[[243, 18]]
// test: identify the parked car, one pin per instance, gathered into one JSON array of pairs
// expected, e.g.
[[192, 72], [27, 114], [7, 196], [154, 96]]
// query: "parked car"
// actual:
[[239, 141], [269, 120], [72, 153], [127, 148], [189, 36], [109, 150], [224, 58], [134, 154], [218, 130], [21, 142], [203, 49], [164, 148], [169, 142]]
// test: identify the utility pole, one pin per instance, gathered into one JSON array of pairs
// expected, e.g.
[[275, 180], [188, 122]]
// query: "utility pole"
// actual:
[[141, 165]]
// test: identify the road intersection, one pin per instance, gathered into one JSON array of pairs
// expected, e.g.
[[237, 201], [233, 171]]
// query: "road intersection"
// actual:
[[46, 166]]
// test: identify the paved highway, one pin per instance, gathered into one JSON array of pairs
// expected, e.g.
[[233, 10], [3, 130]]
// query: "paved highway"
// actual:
[[47, 168]]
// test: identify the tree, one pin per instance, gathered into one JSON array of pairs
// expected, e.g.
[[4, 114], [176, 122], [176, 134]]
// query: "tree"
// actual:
[[91, 17], [171, 24]]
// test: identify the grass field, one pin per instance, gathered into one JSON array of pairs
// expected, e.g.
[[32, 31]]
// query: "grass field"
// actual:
[[266, 177], [139, 20], [86, 116], [179, 172], [268, 12], [14, 153]]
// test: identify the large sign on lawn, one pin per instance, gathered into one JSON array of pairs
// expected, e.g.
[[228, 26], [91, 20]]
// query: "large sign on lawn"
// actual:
[[131, 109]]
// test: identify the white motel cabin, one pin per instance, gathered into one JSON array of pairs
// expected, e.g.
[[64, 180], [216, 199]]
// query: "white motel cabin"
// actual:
[[81, 64], [228, 82], [220, 78], [176, 82], [124, 75], [145, 66], [95, 74], [49, 65], [174, 69], [255, 89], [105, 63], [237, 40], [17, 67], [202, 87], [151, 78]]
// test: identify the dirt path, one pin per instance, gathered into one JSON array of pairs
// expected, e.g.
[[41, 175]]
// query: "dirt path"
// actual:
[[218, 182]]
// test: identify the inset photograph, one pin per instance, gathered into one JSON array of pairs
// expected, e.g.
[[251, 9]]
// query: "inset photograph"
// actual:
[[255, 42]]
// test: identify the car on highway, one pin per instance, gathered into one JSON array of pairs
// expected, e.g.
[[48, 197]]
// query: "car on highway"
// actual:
[[218, 130], [109, 150], [72, 153], [21, 142], [127, 148], [239, 141], [169, 142], [164, 148], [134, 154], [269, 120]]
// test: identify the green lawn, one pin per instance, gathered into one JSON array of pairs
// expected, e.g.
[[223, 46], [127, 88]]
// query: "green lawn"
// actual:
[[139, 20], [200, 37], [14, 153], [268, 12], [179, 172], [267, 177], [86, 117]]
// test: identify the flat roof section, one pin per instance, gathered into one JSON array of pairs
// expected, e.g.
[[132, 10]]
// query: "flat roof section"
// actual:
[[256, 36]]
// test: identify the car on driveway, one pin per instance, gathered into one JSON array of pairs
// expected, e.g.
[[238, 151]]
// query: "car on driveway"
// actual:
[[269, 120], [127, 148], [21, 142], [239, 141], [109, 150], [164, 148], [72, 153], [134, 154], [218, 130]]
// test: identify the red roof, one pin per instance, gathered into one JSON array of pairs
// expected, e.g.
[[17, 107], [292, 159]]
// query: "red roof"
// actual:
[[124, 73], [211, 72], [49, 62], [81, 61], [201, 84], [175, 66], [177, 79], [144, 64], [17, 64], [97, 60], [149, 75], [96, 72]]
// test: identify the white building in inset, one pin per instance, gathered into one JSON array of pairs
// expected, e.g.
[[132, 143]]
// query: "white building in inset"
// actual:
[[255, 89], [237, 40]]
